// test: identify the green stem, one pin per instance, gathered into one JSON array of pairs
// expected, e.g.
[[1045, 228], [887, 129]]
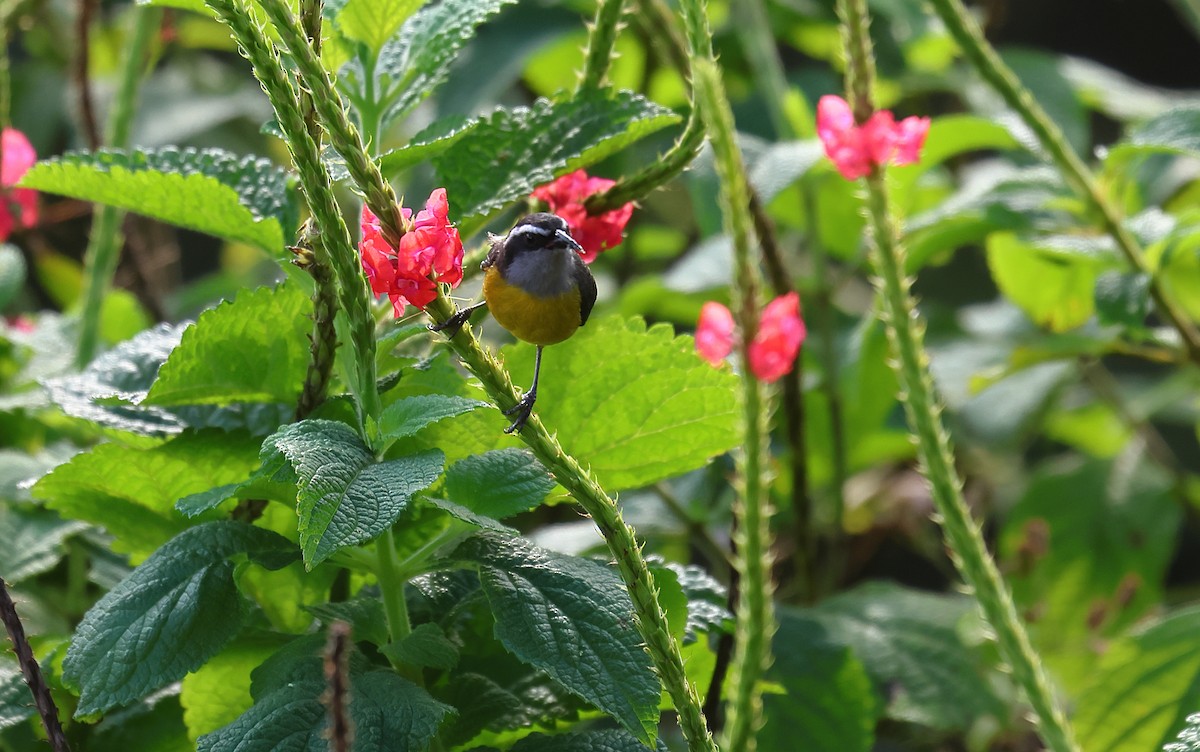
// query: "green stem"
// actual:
[[622, 542], [989, 65], [104, 246], [392, 587], [906, 332], [322, 342], [601, 41], [314, 182], [759, 45], [755, 613]]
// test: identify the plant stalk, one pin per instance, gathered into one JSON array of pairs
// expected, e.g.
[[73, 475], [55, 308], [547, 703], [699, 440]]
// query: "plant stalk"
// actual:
[[32, 672], [601, 43]]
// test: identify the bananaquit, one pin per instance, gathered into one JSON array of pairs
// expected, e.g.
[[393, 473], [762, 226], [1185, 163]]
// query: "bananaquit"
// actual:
[[537, 287]]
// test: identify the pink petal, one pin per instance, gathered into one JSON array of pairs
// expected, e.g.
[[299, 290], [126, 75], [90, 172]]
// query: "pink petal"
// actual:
[[714, 332], [834, 118], [780, 334], [910, 138], [19, 156], [879, 137]]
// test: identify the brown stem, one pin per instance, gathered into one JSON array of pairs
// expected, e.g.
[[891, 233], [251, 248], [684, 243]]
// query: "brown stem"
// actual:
[[337, 688], [87, 108], [32, 672]]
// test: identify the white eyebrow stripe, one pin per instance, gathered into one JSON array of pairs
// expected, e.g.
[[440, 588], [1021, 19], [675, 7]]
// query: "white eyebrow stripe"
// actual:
[[530, 230]]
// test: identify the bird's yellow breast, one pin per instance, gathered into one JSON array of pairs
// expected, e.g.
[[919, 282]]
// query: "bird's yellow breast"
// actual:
[[534, 319]]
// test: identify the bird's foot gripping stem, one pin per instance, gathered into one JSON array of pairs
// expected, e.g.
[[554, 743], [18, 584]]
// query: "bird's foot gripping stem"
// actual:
[[522, 410], [452, 325]]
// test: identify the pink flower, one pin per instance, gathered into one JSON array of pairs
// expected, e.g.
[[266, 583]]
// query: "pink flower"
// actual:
[[714, 332], [430, 251], [780, 334], [772, 353], [565, 197], [855, 150], [19, 156]]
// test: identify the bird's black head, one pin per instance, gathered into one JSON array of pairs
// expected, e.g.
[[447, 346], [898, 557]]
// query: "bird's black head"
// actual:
[[537, 231]]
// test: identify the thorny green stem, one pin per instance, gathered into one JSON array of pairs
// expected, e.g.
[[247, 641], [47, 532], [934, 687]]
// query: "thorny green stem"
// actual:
[[343, 135], [314, 182], [755, 613], [622, 542], [32, 672], [104, 246], [322, 342], [600, 44], [906, 332], [993, 70]]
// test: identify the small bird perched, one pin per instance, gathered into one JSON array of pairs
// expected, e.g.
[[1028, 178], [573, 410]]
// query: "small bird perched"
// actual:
[[537, 287]]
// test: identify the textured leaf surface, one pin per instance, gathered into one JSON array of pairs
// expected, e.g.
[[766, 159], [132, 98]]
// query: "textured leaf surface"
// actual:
[[373, 22], [132, 492], [608, 740], [1188, 739], [405, 417], [433, 140], [16, 704], [1143, 689], [499, 483], [253, 349], [238, 198], [637, 405], [526, 147], [426, 645], [1175, 131], [573, 619], [420, 58], [345, 498], [827, 704], [909, 644], [33, 541], [364, 615], [167, 618]]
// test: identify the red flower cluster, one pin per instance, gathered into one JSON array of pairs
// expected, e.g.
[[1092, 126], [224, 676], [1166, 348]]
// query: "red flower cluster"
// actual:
[[430, 252], [856, 150], [780, 333], [19, 156], [565, 198]]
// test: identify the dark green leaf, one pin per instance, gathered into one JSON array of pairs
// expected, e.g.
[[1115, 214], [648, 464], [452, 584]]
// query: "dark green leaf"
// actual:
[[526, 147], [1188, 739], [639, 405], [239, 198], [364, 615], [170, 615], [16, 704], [573, 619], [407, 416], [499, 483], [426, 645], [12, 273], [218, 692], [1175, 131], [253, 349], [33, 541], [433, 140], [345, 498], [1123, 298], [608, 740], [909, 643]]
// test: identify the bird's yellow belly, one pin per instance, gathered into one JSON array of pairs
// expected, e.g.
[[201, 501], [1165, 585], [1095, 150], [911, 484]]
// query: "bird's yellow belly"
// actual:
[[540, 321]]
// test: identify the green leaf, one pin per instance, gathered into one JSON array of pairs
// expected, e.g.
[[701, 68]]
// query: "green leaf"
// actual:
[[407, 416], [33, 541], [373, 22], [219, 691], [245, 199], [1123, 298], [389, 714], [1143, 688], [910, 646], [167, 618], [607, 740], [499, 483], [637, 404], [16, 704], [12, 273], [426, 645], [345, 498], [419, 60], [1188, 739], [827, 704], [527, 147], [433, 140], [365, 616], [573, 619], [1054, 291], [253, 349], [1176, 131], [132, 491]]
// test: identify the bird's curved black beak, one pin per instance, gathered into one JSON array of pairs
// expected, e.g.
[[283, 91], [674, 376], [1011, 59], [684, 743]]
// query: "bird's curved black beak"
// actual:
[[568, 241]]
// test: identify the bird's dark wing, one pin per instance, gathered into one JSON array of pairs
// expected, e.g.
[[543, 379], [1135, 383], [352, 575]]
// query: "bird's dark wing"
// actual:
[[587, 290], [497, 248]]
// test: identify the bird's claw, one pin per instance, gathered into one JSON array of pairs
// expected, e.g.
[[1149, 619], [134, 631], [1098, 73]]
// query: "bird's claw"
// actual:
[[522, 410], [452, 325]]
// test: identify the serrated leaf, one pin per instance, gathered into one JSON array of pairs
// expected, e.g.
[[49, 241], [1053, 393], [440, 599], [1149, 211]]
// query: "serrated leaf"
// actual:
[[245, 199], [251, 349], [638, 405], [526, 147], [33, 541], [345, 498], [405, 417], [1143, 689], [426, 645], [373, 22], [433, 140], [132, 491], [420, 58], [573, 619], [606, 740], [499, 483], [389, 713], [910, 646], [167, 618], [827, 704], [219, 691]]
